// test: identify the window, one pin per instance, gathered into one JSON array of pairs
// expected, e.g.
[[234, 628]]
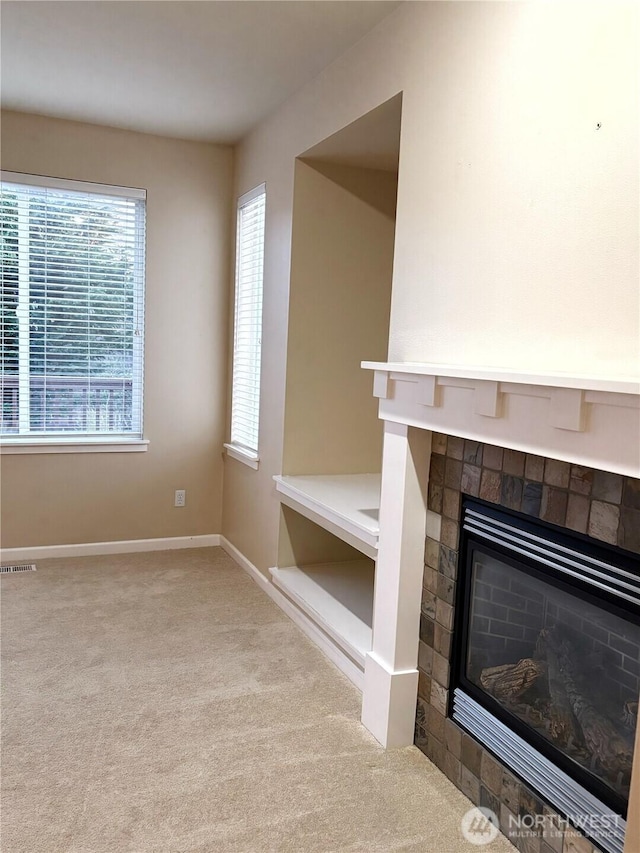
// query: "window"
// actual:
[[245, 403], [71, 309]]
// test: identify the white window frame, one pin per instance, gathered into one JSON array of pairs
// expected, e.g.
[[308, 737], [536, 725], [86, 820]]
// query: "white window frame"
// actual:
[[251, 351], [73, 442]]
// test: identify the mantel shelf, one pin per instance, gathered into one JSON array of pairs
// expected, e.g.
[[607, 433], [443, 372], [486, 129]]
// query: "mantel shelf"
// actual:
[[557, 379], [345, 504], [586, 420]]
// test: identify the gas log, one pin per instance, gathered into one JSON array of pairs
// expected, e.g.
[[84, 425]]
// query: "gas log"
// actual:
[[555, 680], [563, 726], [511, 679], [601, 737]]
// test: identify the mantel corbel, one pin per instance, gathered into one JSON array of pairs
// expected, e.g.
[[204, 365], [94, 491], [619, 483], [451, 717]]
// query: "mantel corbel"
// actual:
[[593, 421]]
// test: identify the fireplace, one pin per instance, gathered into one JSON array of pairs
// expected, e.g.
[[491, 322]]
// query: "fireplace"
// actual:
[[543, 556], [562, 453], [546, 662]]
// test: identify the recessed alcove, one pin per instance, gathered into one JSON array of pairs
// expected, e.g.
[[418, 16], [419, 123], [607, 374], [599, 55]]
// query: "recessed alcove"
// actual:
[[345, 192]]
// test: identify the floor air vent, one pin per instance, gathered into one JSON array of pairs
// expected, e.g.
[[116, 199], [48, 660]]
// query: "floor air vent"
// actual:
[[28, 567]]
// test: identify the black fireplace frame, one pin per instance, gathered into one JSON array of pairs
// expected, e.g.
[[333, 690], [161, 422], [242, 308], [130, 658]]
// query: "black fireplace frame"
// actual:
[[583, 589]]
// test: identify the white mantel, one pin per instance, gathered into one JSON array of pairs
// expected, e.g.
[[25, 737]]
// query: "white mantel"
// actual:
[[588, 420]]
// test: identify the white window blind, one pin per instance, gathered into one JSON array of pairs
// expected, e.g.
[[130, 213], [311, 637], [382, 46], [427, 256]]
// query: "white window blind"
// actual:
[[71, 308], [245, 405]]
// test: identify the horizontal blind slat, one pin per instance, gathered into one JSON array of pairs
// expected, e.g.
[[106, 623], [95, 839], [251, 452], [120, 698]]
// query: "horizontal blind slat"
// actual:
[[73, 266], [248, 323]]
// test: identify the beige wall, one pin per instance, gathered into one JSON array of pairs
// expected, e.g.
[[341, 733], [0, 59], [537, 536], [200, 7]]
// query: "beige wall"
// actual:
[[517, 220], [304, 543], [518, 226], [340, 294], [58, 499]]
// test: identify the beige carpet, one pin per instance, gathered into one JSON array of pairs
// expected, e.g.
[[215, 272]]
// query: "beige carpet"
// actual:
[[161, 703]]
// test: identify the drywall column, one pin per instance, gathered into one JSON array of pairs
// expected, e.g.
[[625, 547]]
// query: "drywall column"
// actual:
[[390, 673], [632, 838]]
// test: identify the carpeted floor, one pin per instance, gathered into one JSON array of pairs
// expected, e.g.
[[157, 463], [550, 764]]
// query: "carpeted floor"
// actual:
[[161, 703]]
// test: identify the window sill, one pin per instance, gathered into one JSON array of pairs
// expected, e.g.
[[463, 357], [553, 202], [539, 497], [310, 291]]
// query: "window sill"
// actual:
[[74, 445], [242, 455]]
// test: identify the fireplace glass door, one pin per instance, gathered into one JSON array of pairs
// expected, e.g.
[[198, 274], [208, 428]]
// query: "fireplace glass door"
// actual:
[[552, 654]]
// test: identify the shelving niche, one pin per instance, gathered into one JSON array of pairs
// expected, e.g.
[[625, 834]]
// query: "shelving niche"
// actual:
[[343, 235], [337, 594]]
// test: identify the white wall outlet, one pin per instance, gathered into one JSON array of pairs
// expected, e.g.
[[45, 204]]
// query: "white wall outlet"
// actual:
[[181, 497]]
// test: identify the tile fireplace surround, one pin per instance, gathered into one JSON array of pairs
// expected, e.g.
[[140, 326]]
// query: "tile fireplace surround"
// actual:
[[565, 450], [603, 505]]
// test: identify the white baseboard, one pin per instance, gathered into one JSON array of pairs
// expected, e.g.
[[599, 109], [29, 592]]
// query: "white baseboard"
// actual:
[[262, 581], [315, 634], [124, 546]]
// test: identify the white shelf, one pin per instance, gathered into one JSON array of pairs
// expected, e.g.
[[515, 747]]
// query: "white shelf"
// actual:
[[338, 597], [347, 505]]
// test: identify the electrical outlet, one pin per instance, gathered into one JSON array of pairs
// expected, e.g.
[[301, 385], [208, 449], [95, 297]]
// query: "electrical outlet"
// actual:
[[181, 497]]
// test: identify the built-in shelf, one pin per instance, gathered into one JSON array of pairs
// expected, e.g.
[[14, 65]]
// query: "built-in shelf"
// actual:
[[338, 597], [347, 505]]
